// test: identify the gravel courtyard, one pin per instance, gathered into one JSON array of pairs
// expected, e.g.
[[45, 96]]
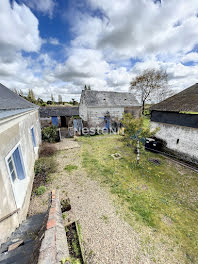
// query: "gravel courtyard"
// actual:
[[107, 238], [112, 233]]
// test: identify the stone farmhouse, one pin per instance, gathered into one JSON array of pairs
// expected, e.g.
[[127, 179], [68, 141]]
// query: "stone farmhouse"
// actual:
[[105, 109], [20, 138], [177, 118]]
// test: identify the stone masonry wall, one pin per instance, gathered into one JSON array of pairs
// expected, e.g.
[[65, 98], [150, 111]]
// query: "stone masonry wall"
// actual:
[[54, 247]]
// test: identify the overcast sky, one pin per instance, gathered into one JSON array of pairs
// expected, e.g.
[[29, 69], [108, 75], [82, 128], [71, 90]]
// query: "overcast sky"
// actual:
[[58, 46]]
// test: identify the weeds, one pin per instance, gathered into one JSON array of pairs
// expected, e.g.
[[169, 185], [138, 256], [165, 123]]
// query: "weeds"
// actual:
[[105, 218], [43, 169], [70, 167], [44, 166], [64, 215], [40, 190], [47, 150]]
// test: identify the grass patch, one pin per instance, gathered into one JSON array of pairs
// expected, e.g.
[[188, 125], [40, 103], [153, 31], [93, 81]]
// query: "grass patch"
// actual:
[[157, 198], [70, 167]]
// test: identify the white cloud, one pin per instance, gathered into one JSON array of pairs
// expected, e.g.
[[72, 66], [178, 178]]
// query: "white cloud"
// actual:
[[82, 63], [54, 41], [139, 27], [104, 48], [19, 29], [190, 57], [44, 6]]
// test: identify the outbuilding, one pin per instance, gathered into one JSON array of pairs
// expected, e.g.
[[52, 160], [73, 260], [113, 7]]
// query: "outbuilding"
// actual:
[[177, 119], [105, 109]]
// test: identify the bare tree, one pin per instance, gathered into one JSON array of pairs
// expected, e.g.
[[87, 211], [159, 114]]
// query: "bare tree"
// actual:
[[148, 83], [161, 94], [60, 100], [15, 90], [21, 93], [52, 98]]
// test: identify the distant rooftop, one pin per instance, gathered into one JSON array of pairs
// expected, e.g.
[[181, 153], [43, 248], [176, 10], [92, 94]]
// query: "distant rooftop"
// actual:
[[185, 101], [104, 98], [58, 111]]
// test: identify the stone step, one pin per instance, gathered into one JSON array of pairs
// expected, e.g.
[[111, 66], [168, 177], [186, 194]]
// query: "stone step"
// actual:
[[22, 242], [20, 255]]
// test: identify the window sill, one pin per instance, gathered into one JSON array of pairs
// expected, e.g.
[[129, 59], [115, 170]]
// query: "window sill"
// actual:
[[36, 150]]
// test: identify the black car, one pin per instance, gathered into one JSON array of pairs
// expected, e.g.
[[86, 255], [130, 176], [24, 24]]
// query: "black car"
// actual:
[[153, 144]]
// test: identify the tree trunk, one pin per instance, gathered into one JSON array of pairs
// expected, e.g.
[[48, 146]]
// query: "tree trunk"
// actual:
[[138, 151], [143, 106]]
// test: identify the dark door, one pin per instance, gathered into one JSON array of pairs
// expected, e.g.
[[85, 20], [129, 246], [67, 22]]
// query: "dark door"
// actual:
[[63, 121]]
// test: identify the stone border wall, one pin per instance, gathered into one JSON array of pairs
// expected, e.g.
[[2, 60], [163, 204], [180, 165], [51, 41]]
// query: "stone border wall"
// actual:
[[54, 247]]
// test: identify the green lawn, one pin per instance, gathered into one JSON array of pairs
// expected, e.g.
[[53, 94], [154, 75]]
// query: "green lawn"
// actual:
[[159, 201]]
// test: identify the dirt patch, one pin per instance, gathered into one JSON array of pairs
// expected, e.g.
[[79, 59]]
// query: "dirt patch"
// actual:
[[66, 144]]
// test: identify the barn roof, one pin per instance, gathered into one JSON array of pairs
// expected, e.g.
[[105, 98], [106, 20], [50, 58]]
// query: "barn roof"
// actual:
[[12, 101], [107, 99], [185, 101], [59, 111]]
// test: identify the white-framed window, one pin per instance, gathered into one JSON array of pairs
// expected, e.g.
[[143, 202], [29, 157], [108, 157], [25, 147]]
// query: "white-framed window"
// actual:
[[33, 137], [17, 173], [15, 165]]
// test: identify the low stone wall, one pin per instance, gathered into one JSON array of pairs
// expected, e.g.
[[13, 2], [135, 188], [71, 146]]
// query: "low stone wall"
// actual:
[[54, 247]]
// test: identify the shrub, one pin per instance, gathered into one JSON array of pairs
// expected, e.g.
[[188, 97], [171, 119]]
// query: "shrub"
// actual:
[[47, 150], [40, 190], [44, 166], [49, 134]]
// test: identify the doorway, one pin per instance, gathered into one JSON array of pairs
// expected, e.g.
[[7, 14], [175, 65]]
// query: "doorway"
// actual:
[[63, 121], [106, 121]]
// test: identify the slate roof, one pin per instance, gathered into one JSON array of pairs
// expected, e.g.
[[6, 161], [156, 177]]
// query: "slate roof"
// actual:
[[108, 99], [11, 101], [185, 101], [59, 111]]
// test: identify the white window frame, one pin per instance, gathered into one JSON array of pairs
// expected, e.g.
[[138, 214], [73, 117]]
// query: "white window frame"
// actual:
[[34, 147], [9, 155]]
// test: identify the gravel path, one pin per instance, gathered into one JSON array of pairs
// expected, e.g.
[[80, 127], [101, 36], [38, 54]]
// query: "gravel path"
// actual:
[[107, 238]]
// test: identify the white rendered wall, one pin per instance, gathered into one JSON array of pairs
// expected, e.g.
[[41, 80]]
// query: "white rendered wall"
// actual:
[[16, 130], [187, 136]]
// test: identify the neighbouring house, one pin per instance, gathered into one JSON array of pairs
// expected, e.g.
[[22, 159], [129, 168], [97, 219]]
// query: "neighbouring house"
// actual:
[[177, 118], [20, 138], [105, 109], [61, 117]]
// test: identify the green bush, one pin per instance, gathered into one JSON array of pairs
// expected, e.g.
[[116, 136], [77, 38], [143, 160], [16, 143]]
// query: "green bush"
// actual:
[[40, 190], [49, 134]]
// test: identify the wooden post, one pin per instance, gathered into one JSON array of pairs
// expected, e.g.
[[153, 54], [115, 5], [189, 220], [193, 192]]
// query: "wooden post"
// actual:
[[138, 151]]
